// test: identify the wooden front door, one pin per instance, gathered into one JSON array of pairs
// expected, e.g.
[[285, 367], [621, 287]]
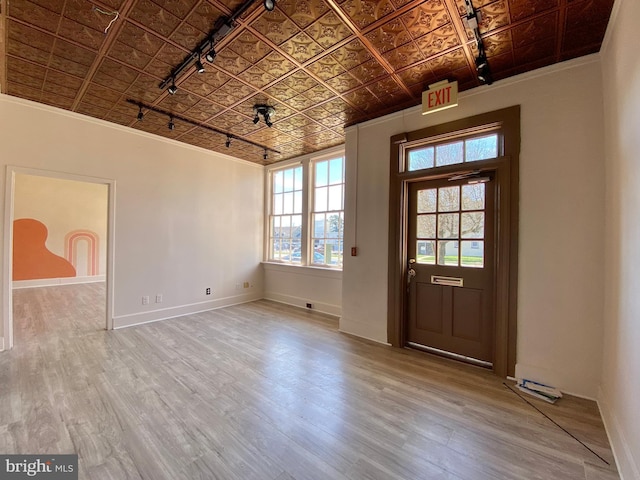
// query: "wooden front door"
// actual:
[[451, 256]]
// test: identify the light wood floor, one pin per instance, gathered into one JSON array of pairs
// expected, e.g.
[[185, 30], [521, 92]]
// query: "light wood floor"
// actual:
[[263, 391]]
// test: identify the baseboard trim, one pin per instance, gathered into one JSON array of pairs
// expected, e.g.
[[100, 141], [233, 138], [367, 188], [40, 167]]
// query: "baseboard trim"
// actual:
[[124, 321], [320, 307], [1, 344], [378, 342], [626, 464], [52, 282]]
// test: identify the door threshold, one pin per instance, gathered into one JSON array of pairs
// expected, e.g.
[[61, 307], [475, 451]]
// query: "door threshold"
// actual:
[[454, 356]]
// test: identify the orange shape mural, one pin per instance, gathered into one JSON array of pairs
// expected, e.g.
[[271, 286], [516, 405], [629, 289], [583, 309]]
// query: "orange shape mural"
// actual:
[[31, 258]]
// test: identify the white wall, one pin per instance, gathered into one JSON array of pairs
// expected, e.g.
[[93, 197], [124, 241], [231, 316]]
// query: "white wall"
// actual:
[[185, 218], [561, 254], [620, 395]]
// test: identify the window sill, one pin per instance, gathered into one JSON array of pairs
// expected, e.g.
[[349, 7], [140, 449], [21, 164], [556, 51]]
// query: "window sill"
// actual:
[[317, 271]]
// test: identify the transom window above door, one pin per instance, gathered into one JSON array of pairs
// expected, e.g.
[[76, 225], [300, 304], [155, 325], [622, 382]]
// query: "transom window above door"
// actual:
[[451, 152]]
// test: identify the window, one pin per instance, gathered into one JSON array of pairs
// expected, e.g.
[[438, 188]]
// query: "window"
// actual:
[[461, 151], [285, 231], [327, 217], [306, 213]]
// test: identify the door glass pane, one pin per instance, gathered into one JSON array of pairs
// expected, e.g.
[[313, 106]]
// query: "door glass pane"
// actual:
[[473, 197], [448, 199], [426, 226], [481, 148], [427, 201], [472, 225], [448, 252], [472, 254], [449, 153], [448, 225], [420, 159], [426, 252]]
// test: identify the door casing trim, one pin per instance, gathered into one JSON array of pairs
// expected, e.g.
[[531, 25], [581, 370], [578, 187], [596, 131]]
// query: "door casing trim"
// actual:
[[506, 170]]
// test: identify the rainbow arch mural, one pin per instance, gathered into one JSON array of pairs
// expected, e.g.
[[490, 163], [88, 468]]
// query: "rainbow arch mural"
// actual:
[[71, 242]]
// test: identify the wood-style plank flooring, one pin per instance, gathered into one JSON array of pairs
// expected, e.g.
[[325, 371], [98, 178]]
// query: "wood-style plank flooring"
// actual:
[[264, 391]]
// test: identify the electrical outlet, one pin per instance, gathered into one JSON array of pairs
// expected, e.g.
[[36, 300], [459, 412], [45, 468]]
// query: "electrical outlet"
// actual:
[[159, 298], [246, 284], [309, 305], [145, 300], [207, 291]]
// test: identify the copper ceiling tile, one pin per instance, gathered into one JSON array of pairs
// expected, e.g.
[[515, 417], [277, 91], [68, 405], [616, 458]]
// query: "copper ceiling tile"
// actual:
[[282, 110], [443, 64], [144, 88], [589, 11], [276, 26], [300, 82], [352, 54], [117, 117], [498, 43], [104, 93], [343, 83], [203, 110], [300, 102], [301, 47], [333, 121], [386, 88], [91, 110], [19, 33], [318, 113], [24, 73], [84, 13], [73, 53], [281, 91], [246, 107], [521, 9], [34, 14], [400, 3], [439, 40], [64, 65], [276, 65], [494, 15], [156, 18], [245, 128], [114, 75], [420, 74], [180, 103], [362, 98], [257, 77], [56, 101], [365, 12], [303, 12], [187, 36], [53, 5], [214, 77], [204, 16], [197, 85], [158, 69], [24, 91], [319, 94], [77, 32], [477, 4], [427, 17], [328, 30], [581, 41], [63, 80], [27, 52], [249, 47], [228, 119], [405, 55], [534, 52], [230, 93], [180, 8], [292, 123], [170, 54], [97, 102], [391, 35], [129, 55], [500, 63], [231, 62], [326, 67], [535, 30]]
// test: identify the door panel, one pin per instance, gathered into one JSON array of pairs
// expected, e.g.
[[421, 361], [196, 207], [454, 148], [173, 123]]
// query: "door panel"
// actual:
[[451, 234]]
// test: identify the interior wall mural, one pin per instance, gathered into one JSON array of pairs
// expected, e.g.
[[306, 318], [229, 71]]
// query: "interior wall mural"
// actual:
[[31, 258]]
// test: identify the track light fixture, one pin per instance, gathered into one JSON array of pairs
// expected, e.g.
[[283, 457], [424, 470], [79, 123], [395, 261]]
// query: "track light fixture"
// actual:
[[211, 55], [266, 154], [172, 89], [171, 125], [269, 5], [267, 112], [199, 66], [473, 20], [140, 114]]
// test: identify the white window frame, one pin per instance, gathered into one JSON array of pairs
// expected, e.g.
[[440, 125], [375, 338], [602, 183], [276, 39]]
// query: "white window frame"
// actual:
[[308, 190]]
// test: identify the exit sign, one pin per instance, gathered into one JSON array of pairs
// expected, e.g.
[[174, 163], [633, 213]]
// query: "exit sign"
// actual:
[[439, 96]]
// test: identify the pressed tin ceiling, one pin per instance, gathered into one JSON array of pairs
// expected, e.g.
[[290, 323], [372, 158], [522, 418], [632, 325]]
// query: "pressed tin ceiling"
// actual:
[[322, 64]]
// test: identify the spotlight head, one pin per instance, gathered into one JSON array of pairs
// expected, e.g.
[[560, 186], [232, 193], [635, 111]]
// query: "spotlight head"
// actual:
[[267, 120], [140, 114], [266, 155], [228, 142], [210, 56], [172, 89], [269, 5], [256, 119], [199, 66], [171, 125], [481, 63]]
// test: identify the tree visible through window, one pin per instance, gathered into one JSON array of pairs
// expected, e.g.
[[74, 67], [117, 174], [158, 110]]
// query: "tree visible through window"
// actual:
[[327, 216]]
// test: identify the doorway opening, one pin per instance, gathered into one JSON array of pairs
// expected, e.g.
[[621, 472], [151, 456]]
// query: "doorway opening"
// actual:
[[58, 245], [453, 239]]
